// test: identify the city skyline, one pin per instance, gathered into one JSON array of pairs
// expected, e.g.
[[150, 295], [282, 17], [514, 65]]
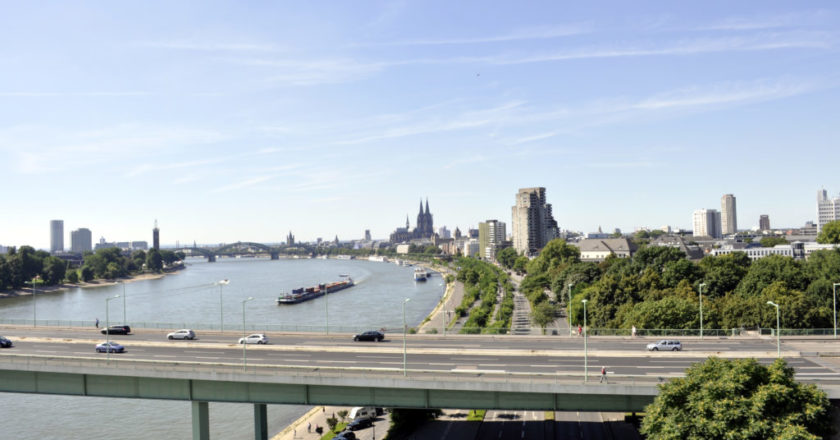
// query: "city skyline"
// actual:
[[242, 123]]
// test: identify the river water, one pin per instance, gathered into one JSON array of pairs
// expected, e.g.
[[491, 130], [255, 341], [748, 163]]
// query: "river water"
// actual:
[[190, 298]]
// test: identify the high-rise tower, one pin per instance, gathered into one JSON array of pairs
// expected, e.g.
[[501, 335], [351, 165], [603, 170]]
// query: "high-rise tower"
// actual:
[[81, 240], [56, 235], [707, 223], [156, 237], [532, 221], [728, 215], [828, 210]]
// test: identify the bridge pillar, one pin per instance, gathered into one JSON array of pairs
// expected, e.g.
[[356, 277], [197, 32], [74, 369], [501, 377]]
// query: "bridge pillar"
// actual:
[[260, 422], [200, 421], [275, 255], [211, 259]]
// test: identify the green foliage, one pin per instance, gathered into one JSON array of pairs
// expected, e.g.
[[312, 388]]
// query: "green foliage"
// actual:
[[830, 233], [543, 314], [768, 270], [73, 276], [154, 261], [723, 273], [520, 264], [772, 241], [668, 312], [476, 415], [506, 257], [331, 422], [737, 399], [404, 421]]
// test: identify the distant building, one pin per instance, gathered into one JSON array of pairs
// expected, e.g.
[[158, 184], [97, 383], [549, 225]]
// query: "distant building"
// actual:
[[491, 237], [728, 215], [707, 223], [797, 250], [56, 235], [403, 248], [156, 237], [764, 222], [141, 245], [104, 244], [599, 249], [532, 221], [828, 210], [290, 239], [367, 235], [471, 248], [424, 229], [691, 251], [81, 240], [444, 233]]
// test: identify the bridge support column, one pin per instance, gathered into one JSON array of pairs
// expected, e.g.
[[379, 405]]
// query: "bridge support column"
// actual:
[[211, 259], [200, 421], [260, 422], [275, 256]]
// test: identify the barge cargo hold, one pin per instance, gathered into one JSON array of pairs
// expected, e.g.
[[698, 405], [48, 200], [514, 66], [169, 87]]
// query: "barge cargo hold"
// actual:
[[306, 293]]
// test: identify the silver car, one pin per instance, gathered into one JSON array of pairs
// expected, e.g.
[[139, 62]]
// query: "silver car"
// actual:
[[665, 345], [256, 338], [184, 333]]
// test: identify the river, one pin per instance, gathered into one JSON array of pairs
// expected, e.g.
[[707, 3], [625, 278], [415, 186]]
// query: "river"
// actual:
[[190, 298]]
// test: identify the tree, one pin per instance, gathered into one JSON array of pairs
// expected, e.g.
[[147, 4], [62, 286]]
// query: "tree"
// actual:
[[154, 262], [830, 233], [738, 399], [520, 264], [73, 276], [543, 314], [772, 241], [506, 257], [54, 270]]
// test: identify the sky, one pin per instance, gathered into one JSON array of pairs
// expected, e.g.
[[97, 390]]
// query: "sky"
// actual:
[[243, 121]]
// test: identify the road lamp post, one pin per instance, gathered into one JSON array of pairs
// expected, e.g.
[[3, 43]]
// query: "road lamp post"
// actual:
[[326, 312], [405, 328], [701, 309], [834, 301], [221, 284], [585, 352], [244, 334], [778, 342], [569, 312], [124, 296], [108, 328], [34, 304]]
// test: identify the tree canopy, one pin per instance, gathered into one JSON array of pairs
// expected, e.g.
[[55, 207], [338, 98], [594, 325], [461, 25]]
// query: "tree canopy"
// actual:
[[830, 233], [738, 400]]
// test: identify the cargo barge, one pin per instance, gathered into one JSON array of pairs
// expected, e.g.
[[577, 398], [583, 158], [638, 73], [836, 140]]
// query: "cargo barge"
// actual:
[[302, 294]]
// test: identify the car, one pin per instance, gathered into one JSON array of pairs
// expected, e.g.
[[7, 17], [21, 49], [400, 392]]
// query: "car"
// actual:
[[360, 423], [184, 333], [665, 345], [111, 347], [371, 335], [117, 330], [5, 342], [345, 435], [256, 338]]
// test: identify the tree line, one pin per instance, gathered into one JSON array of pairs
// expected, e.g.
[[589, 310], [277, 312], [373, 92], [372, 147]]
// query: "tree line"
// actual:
[[25, 266], [658, 288]]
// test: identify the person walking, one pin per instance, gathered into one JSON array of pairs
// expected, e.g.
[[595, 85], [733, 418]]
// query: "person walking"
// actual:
[[309, 428], [633, 331], [97, 323], [603, 375], [580, 330]]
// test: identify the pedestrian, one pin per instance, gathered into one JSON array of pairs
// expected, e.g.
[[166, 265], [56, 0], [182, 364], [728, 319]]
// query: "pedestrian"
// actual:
[[97, 323], [309, 427], [603, 375], [580, 330], [633, 331]]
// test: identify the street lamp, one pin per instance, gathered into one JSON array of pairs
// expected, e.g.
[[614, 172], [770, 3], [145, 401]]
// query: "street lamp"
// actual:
[[701, 309], [778, 343], [34, 304], [569, 313], [244, 334], [585, 352], [108, 328], [124, 296], [404, 331], [221, 284], [834, 299], [326, 311]]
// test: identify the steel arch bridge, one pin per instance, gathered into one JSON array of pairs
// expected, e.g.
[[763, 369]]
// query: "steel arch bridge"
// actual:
[[238, 248]]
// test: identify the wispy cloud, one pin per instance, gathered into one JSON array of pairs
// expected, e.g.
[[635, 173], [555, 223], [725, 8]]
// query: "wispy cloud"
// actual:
[[536, 33], [208, 46], [726, 93], [792, 19], [243, 184]]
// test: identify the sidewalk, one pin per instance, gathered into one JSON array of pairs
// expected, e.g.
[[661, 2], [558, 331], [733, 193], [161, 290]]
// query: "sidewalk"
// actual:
[[317, 416]]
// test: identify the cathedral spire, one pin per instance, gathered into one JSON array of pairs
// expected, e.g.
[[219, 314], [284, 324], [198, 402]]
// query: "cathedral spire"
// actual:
[[427, 206], [406, 221]]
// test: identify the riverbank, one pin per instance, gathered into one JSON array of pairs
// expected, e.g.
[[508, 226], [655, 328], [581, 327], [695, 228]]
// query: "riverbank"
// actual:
[[90, 284]]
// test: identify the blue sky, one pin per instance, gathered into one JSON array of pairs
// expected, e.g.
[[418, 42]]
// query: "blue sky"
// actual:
[[230, 121]]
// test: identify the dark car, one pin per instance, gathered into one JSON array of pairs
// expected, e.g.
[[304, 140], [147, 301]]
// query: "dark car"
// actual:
[[5, 343], [360, 423], [371, 335], [117, 330], [345, 435]]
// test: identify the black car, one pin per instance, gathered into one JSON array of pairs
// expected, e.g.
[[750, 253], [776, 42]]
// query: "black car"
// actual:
[[360, 423], [371, 335], [5, 343], [345, 435], [117, 330]]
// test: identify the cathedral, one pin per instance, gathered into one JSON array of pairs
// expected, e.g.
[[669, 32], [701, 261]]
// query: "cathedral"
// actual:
[[424, 229]]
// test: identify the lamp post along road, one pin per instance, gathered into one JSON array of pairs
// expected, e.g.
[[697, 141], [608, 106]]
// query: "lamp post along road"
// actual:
[[834, 301], [108, 328], [124, 296], [569, 311], [701, 309], [778, 335], [244, 334], [221, 284], [34, 306], [326, 312], [585, 352], [405, 328]]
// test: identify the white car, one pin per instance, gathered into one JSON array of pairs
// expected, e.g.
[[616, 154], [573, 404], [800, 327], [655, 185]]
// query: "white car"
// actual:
[[184, 333], [256, 338]]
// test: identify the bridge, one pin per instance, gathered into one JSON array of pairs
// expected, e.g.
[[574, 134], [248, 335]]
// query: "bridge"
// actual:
[[238, 248], [482, 372]]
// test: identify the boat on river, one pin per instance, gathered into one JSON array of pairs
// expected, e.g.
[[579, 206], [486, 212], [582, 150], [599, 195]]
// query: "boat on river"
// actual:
[[302, 294], [419, 274]]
